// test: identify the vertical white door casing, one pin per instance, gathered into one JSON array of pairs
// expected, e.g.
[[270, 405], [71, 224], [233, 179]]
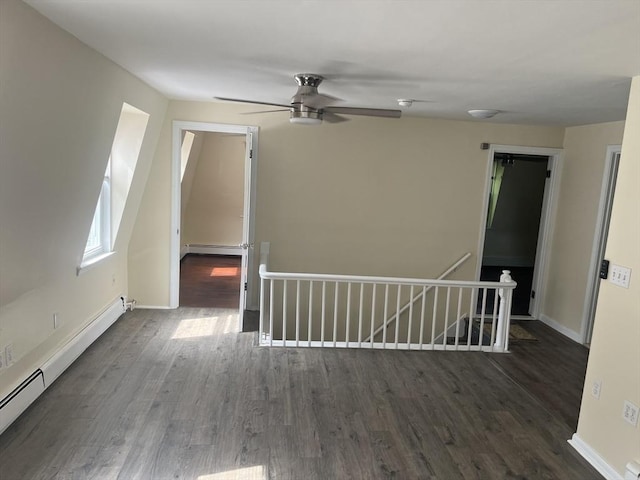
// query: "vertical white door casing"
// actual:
[[547, 218], [251, 133], [247, 243], [612, 161]]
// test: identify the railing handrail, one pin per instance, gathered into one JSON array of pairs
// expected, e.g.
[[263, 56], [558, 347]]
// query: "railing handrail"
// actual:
[[327, 277]]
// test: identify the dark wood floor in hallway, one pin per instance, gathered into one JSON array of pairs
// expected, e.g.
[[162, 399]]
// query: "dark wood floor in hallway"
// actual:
[[210, 281], [181, 395]]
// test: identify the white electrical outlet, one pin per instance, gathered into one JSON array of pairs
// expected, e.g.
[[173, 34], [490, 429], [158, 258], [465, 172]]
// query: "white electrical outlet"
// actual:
[[595, 388], [630, 413], [8, 355], [620, 276]]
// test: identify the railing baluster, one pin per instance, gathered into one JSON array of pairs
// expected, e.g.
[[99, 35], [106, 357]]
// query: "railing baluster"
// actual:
[[384, 318], [422, 309], [494, 319], [472, 312], [458, 318], [324, 302], [446, 318], [360, 312], [433, 318], [271, 289], [297, 313], [410, 319], [482, 315], [373, 314], [261, 326], [309, 321], [284, 314], [335, 314], [348, 323], [397, 315]]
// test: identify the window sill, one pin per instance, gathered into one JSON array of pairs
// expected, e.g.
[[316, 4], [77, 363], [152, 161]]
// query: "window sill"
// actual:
[[92, 262]]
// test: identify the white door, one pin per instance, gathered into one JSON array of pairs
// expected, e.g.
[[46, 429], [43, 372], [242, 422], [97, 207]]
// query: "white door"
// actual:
[[247, 246]]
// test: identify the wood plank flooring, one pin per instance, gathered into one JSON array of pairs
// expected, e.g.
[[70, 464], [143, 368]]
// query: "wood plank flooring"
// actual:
[[181, 395], [210, 281]]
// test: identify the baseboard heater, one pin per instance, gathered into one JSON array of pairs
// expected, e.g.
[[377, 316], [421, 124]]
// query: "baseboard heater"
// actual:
[[210, 249], [32, 387]]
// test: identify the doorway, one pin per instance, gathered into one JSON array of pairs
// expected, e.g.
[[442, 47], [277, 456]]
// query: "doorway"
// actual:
[[521, 184], [240, 223]]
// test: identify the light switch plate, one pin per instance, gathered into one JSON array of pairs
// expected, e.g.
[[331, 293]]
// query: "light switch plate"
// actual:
[[620, 276]]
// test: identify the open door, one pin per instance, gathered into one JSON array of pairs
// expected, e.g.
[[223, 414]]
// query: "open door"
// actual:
[[246, 245], [245, 248], [521, 185]]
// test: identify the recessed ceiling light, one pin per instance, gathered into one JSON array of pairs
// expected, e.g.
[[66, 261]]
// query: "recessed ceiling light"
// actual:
[[483, 113]]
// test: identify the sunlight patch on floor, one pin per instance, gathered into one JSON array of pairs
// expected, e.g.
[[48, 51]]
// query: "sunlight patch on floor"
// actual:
[[206, 326], [249, 473], [196, 327], [224, 272]]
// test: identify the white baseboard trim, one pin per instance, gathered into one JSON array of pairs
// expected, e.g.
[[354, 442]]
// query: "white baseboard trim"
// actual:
[[567, 332], [211, 249], [591, 456], [12, 406]]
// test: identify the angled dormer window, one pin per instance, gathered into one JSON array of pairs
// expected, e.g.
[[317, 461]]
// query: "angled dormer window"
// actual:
[[99, 241], [115, 187]]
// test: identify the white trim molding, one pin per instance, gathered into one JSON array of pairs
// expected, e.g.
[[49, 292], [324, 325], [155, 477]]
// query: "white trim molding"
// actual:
[[211, 249], [558, 327], [591, 456]]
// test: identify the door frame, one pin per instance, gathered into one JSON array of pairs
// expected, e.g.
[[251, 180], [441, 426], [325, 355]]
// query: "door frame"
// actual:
[[607, 191], [547, 217], [250, 180]]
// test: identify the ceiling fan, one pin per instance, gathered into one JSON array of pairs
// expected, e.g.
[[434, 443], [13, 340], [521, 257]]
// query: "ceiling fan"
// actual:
[[310, 107]]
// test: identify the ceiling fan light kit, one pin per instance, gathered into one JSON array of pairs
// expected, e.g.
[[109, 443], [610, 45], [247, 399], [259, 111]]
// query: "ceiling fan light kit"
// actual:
[[483, 113], [305, 117]]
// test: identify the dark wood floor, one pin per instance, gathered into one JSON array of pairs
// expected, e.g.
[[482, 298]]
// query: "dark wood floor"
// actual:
[[210, 281], [181, 395]]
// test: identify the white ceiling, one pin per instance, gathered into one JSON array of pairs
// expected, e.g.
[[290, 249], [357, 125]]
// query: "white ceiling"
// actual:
[[559, 62]]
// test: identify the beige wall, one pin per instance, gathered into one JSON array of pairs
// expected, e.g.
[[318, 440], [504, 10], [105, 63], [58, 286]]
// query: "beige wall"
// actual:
[[214, 210], [59, 107], [574, 232], [614, 357], [369, 196]]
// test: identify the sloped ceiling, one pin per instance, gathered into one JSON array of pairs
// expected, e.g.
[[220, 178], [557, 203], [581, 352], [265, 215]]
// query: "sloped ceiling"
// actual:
[[561, 62]]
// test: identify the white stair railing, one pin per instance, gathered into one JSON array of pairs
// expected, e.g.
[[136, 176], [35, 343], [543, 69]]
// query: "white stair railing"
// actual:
[[443, 275], [324, 310]]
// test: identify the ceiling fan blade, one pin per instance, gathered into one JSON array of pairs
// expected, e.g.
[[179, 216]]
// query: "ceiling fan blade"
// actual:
[[255, 102], [267, 111], [371, 112], [333, 118]]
